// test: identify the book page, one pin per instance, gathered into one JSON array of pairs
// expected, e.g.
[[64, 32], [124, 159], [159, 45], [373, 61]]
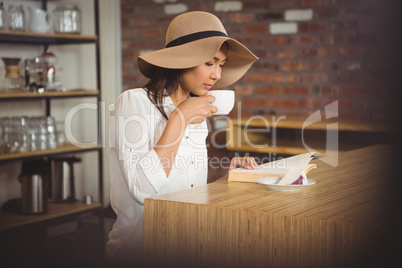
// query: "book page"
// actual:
[[301, 164]]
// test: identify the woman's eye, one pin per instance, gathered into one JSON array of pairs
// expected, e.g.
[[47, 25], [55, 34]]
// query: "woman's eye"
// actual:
[[222, 65], [209, 64]]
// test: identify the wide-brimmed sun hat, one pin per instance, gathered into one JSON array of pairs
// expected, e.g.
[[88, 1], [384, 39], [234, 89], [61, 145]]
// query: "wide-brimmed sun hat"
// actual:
[[194, 38]]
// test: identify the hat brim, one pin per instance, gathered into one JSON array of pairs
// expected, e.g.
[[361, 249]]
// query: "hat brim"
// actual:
[[195, 53]]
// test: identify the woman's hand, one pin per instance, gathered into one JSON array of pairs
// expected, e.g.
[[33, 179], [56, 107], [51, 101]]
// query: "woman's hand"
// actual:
[[194, 110], [245, 162], [191, 111]]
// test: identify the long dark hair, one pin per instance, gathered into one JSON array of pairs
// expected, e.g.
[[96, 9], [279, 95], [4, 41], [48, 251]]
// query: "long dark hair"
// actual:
[[164, 82]]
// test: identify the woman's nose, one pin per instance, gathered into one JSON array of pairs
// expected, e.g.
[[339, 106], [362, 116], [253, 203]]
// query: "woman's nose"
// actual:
[[216, 73]]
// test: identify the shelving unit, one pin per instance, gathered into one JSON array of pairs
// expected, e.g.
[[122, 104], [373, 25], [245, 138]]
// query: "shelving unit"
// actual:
[[9, 220], [288, 135]]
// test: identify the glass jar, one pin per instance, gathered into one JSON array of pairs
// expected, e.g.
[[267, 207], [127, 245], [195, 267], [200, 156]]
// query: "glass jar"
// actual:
[[16, 18], [13, 80], [3, 22], [67, 19]]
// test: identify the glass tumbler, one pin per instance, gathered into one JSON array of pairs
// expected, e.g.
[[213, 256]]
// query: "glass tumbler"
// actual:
[[15, 137], [25, 139], [42, 133], [5, 135], [61, 136], [34, 132], [51, 132]]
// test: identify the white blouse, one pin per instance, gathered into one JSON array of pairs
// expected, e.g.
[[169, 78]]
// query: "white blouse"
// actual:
[[135, 127]]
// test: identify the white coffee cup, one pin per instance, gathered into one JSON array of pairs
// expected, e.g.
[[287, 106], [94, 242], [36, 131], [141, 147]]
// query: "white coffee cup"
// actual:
[[224, 101]]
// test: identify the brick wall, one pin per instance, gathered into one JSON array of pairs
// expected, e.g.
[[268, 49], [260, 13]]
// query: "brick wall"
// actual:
[[312, 52]]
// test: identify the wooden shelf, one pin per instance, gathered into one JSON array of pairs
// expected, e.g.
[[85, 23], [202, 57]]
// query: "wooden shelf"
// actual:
[[10, 220], [49, 95], [29, 38], [68, 148]]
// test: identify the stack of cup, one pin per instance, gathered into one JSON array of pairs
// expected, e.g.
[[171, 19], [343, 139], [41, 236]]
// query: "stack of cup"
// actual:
[[23, 134]]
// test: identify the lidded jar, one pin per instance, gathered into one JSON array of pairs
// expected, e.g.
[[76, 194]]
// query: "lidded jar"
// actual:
[[67, 19]]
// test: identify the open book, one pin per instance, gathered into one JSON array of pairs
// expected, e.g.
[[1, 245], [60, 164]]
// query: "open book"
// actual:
[[288, 169]]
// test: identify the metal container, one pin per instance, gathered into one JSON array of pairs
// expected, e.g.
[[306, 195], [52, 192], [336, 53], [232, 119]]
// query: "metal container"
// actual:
[[34, 179], [34, 193], [62, 174]]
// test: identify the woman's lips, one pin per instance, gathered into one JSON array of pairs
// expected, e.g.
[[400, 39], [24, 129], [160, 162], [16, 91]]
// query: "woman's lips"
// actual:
[[207, 86]]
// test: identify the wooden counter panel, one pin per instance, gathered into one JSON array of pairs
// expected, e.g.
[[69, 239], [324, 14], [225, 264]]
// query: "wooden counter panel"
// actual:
[[237, 224], [185, 234]]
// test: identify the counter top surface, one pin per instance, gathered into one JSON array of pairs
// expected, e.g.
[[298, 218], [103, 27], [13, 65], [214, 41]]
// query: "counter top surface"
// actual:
[[356, 191]]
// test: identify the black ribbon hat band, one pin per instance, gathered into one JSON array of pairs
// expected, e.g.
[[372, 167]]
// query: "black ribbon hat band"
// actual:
[[193, 37]]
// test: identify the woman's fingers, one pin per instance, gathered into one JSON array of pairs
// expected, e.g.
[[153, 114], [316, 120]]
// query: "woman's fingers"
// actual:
[[249, 163], [214, 109], [245, 162], [210, 100], [197, 109]]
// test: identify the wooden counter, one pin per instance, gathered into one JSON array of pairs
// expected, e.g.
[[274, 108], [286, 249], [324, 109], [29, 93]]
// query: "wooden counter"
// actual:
[[333, 223]]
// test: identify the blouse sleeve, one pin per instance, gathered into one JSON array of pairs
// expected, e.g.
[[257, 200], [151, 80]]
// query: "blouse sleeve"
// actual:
[[132, 147]]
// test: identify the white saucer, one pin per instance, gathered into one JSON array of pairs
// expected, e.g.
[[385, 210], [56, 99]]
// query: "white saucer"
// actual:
[[271, 183]]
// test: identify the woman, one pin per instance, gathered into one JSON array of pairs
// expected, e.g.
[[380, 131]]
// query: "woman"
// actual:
[[158, 132]]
